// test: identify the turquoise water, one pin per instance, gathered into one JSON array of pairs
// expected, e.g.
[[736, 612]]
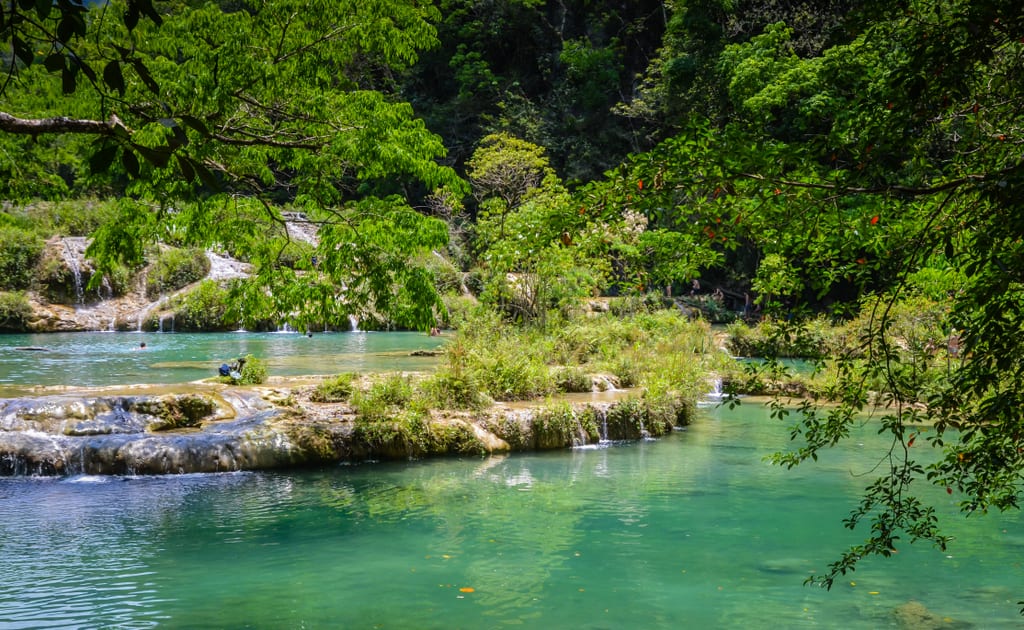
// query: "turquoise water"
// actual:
[[691, 531], [95, 358]]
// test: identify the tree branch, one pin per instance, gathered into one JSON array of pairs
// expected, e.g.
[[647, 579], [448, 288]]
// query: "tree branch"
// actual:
[[894, 188], [61, 124]]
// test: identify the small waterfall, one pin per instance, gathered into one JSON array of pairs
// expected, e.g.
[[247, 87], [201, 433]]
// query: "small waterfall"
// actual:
[[300, 228], [285, 328], [716, 389], [106, 291], [353, 322], [716, 395], [604, 383], [602, 413], [164, 318], [71, 258], [224, 268]]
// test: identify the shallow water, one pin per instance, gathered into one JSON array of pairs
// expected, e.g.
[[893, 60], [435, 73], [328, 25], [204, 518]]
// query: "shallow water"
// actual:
[[693, 530], [96, 358]]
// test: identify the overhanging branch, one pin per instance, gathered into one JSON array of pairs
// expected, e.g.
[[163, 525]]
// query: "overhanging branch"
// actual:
[[60, 124]]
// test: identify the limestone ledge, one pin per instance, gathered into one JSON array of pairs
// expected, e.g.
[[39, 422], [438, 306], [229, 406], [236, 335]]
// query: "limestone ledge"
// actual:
[[233, 429]]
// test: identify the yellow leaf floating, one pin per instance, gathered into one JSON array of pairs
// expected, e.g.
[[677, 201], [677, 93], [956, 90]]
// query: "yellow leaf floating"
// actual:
[[467, 589]]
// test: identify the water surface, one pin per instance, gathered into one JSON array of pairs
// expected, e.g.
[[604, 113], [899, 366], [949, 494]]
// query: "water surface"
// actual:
[[83, 359], [694, 530]]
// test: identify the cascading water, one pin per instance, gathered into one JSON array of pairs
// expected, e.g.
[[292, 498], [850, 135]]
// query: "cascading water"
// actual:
[[300, 228], [71, 259], [715, 395], [353, 322]]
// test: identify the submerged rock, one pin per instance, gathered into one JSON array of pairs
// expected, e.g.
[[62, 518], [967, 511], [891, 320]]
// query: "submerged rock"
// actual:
[[916, 615]]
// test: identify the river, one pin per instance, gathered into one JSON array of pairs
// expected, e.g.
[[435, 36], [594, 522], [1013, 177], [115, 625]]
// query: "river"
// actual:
[[87, 359], [694, 530]]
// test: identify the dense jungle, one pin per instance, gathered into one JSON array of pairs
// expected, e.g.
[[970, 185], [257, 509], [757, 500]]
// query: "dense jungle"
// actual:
[[570, 187]]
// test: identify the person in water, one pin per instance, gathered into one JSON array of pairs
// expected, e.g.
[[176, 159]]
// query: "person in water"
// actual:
[[142, 346]]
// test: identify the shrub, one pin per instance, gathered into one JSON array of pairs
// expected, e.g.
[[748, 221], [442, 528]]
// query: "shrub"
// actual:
[[204, 308], [78, 217], [810, 339], [254, 371], [627, 368], [572, 380], [337, 389], [15, 311], [512, 374], [19, 252], [448, 390], [174, 269], [383, 398]]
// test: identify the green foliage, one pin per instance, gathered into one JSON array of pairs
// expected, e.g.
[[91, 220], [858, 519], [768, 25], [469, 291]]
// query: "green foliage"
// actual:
[[175, 268], [293, 120], [206, 307], [446, 389], [402, 433], [781, 338], [572, 380], [19, 251], [336, 389], [379, 234], [557, 425], [775, 280], [254, 371], [15, 311], [383, 399]]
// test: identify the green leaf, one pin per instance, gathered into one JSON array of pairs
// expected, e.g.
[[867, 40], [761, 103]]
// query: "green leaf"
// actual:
[[131, 15], [113, 78], [68, 80], [185, 165], [43, 8], [143, 72], [130, 163], [101, 160], [194, 123], [158, 157], [22, 51], [206, 176], [54, 62]]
